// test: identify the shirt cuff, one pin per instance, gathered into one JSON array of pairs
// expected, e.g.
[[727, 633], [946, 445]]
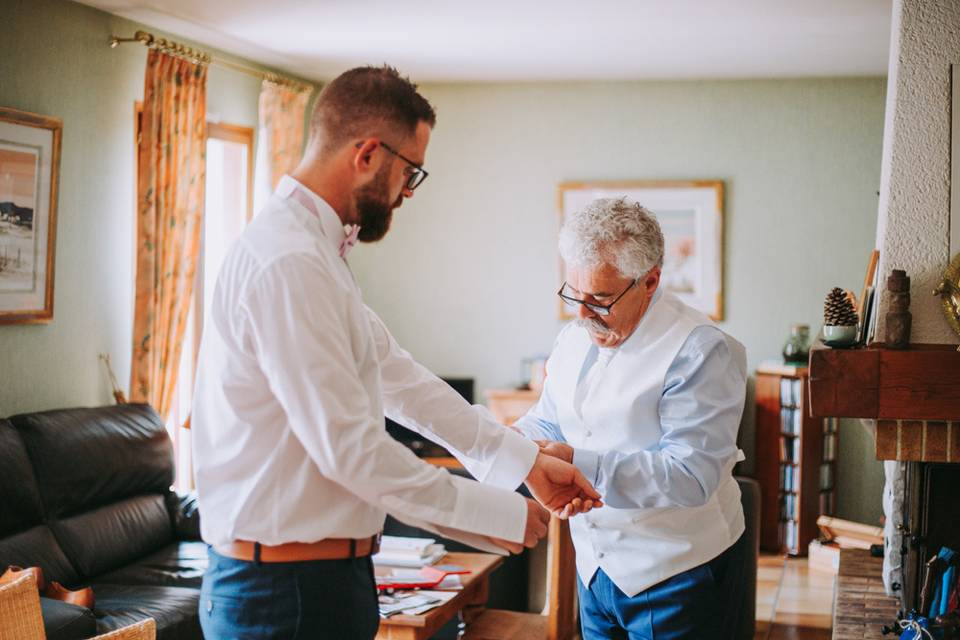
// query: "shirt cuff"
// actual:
[[589, 464], [489, 511], [513, 461]]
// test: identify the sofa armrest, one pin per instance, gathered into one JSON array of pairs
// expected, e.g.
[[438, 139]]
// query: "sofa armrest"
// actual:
[[184, 515]]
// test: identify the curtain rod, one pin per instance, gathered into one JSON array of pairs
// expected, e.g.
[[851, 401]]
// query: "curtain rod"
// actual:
[[202, 57]]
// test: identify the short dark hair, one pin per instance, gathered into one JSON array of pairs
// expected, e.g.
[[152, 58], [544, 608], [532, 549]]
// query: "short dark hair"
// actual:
[[367, 101]]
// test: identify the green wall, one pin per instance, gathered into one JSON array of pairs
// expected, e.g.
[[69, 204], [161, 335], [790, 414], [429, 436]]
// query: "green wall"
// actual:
[[466, 279], [55, 61]]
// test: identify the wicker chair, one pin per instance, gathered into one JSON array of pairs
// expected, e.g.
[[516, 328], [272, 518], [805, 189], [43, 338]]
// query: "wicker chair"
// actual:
[[20, 617]]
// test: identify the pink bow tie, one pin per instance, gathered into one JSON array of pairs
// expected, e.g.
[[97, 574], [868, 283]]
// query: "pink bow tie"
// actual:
[[350, 240]]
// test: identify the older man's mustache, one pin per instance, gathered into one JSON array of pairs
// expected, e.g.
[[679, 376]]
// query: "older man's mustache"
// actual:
[[594, 325]]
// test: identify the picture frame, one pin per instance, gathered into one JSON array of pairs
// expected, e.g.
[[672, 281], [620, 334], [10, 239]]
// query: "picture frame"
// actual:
[[29, 179], [690, 213]]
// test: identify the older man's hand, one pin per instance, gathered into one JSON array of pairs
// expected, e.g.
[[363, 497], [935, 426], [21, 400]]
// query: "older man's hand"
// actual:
[[560, 487], [556, 449]]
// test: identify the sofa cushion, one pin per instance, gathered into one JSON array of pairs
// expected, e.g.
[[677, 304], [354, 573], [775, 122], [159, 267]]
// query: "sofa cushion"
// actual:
[[180, 564], [110, 537], [174, 609], [36, 547], [62, 621], [86, 458], [186, 515], [18, 487]]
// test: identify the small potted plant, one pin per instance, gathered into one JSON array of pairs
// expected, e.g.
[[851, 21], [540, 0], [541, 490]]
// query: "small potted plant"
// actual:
[[839, 319]]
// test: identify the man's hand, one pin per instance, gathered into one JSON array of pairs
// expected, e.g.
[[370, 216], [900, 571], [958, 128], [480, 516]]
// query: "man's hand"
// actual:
[[556, 449], [560, 487], [538, 521]]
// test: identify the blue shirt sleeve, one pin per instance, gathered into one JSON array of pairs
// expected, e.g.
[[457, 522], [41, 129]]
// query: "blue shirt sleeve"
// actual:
[[540, 422], [700, 409]]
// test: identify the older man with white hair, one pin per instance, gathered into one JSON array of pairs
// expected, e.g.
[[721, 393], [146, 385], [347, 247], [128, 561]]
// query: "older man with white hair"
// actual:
[[644, 394]]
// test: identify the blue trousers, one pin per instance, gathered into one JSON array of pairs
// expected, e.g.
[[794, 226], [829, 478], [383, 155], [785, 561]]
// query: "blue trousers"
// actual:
[[322, 599], [701, 603]]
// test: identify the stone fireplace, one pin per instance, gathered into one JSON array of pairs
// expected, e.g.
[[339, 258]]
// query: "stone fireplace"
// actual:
[[912, 397]]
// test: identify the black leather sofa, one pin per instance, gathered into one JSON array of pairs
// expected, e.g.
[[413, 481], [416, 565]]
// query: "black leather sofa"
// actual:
[[85, 495]]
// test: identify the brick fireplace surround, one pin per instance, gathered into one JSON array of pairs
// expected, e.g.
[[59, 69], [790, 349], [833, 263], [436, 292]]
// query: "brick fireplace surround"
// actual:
[[914, 397]]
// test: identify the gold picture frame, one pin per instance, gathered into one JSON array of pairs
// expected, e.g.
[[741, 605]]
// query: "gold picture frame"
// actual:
[[690, 213], [29, 179]]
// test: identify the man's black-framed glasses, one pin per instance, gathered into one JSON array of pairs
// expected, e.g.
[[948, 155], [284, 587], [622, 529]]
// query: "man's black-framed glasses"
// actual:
[[417, 174], [599, 309]]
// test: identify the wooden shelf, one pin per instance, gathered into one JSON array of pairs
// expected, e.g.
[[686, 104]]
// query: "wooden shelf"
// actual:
[[806, 458], [919, 383], [508, 405]]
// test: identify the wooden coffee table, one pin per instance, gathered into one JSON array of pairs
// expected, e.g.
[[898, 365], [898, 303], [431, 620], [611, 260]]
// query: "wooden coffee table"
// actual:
[[470, 600]]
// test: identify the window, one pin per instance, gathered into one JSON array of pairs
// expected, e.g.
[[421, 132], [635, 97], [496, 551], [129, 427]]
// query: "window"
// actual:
[[227, 210]]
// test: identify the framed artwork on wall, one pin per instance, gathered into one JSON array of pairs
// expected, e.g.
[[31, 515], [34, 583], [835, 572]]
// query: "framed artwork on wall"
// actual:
[[29, 174], [691, 217]]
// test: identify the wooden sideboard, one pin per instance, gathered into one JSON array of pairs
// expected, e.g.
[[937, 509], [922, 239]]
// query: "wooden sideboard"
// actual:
[[508, 405]]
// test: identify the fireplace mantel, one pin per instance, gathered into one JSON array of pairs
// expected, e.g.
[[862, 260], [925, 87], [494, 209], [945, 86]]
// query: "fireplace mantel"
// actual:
[[914, 394], [919, 383]]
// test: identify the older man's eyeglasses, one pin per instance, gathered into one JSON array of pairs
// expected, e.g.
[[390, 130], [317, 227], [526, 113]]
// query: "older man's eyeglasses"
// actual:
[[599, 309], [416, 175]]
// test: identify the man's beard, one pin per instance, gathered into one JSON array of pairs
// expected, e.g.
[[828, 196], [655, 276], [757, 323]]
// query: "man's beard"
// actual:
[[374, 211], [593, 325]]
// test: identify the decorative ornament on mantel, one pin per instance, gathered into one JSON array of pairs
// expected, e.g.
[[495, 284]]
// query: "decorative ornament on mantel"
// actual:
[[949, 292], [898, 315], [839, 319]]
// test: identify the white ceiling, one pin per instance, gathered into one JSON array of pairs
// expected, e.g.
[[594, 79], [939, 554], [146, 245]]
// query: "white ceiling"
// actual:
[[521, 40]]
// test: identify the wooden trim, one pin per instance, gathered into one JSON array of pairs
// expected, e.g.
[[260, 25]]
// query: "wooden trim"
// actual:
[[55, 126], [562, 616], [241, 135], [919, 383], [767, 467]]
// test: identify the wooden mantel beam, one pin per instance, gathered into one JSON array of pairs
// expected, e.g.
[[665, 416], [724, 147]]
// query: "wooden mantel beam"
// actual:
[[919, 383]]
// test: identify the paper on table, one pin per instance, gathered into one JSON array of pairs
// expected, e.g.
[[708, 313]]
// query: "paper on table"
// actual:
[[401, 604], [389, 557], [475, 540], [439, 598], [402, 544]]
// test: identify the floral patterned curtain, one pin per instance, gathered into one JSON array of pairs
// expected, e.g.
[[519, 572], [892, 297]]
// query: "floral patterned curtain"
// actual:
[[280, 137], [170, 199]]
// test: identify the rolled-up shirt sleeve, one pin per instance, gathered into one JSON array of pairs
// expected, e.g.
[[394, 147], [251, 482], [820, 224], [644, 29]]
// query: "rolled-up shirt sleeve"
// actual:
[[299, 322], [416, 398], [700, 410]]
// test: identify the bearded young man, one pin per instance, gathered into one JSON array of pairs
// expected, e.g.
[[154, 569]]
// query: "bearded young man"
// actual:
[[644, 395], [294, 467]]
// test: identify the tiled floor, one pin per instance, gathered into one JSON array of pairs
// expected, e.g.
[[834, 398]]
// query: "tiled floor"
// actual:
[[793, 602]]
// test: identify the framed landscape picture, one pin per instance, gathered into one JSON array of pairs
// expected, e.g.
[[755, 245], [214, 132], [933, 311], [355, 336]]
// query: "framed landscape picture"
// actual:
[[29, 171], [690, 214]]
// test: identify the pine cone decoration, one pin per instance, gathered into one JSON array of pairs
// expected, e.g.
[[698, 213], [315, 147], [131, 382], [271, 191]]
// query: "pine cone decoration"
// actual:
[[838, 310]]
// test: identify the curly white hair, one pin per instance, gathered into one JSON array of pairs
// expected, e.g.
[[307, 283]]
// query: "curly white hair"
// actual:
[[615, 231]]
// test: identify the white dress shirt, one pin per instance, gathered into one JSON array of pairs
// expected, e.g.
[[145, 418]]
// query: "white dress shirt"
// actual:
[[653, 424], [294, 378]]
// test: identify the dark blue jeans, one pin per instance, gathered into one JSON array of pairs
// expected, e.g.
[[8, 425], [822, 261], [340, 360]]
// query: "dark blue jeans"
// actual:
[[702, 603], [322, 599]]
